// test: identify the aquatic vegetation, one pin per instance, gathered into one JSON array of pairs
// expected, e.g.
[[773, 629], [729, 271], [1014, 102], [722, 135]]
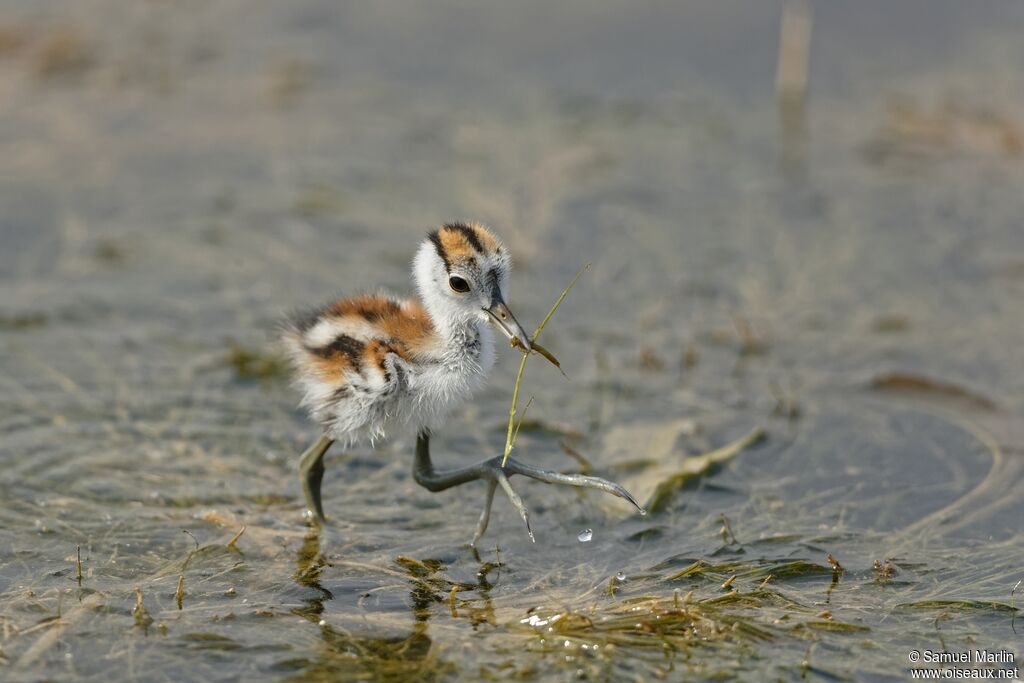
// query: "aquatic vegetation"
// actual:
[[250, 363]]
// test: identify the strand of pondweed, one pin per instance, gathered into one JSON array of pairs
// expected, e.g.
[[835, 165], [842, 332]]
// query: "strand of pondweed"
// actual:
[[513, 428]]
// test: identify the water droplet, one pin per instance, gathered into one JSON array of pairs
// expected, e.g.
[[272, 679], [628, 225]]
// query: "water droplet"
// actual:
[[620, 577], [322, 623], [585, 535], [643, 512]]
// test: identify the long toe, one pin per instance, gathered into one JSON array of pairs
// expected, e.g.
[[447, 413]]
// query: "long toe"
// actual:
[[515, 467], [495, 474], [517, 502], [485, 516]]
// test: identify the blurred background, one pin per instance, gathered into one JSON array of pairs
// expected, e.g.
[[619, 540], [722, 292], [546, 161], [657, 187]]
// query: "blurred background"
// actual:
[[802, 217]]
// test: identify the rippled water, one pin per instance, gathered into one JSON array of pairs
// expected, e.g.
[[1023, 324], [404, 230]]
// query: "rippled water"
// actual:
[[178, 176]]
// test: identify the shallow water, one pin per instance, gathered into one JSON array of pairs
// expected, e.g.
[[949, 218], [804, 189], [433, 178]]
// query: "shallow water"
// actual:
[[176, 177]]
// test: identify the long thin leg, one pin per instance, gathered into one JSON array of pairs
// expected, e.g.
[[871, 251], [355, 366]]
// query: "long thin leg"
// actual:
[[492, 471], [311, 474]]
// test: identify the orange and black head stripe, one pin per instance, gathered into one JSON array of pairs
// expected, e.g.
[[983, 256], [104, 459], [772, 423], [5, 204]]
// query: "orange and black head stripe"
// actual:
[[456, 242]]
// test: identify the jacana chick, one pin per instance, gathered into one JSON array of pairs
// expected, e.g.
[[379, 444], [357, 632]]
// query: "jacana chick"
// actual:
[[375, 364]]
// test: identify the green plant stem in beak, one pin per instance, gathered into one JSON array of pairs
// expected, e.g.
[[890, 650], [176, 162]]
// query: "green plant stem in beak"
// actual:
[[527, 346]]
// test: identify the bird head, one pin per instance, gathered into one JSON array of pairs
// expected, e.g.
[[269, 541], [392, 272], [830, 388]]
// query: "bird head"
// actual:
[[461, 272]]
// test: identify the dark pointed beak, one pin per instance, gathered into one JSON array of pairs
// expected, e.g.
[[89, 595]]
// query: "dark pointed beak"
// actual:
[[507, 323]]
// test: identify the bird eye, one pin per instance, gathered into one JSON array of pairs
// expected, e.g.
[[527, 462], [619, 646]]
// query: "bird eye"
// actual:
[[458, 284]]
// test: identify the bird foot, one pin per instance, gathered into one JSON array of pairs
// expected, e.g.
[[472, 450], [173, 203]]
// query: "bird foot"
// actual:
[[497, 475]]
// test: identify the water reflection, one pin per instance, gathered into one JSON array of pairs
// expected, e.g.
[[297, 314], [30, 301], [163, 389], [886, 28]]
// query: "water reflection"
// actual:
[[349, 656], [310, 563], [407, 655]]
